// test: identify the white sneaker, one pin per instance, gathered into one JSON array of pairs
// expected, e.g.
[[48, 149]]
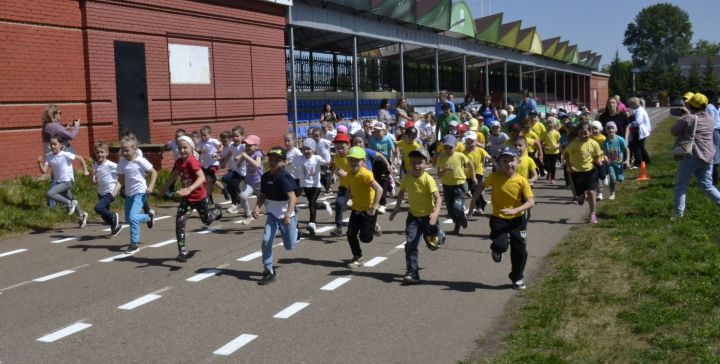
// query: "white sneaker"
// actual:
[[612, 196], [349, 203], [606, 181], [378, 230], [73, 206], [600, 196], [247, 221], [381, 210], [311, 228], [83, 220], [233, 209], [328, 208]]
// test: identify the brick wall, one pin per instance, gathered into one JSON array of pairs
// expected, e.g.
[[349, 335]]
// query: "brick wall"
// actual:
[[58, 52]]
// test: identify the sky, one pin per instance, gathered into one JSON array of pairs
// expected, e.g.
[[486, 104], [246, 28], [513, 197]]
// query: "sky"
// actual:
[[597, 25]]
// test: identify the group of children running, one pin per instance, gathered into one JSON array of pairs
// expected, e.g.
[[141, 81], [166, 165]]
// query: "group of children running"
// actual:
[[363, 164]]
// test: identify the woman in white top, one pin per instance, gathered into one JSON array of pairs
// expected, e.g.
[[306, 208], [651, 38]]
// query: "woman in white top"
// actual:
[[61, 164], [384, 114], [309, 166], [638, 131], [401, 110]]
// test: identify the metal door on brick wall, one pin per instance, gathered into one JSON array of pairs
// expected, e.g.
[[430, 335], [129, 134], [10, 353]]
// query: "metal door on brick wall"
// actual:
[[131, 84]]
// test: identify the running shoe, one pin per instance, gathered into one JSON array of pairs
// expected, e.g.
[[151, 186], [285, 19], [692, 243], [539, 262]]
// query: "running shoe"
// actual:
[[337, 232], [72, 207], [497, 256], [411, 278], [267, 278], [519, 285], [132, 248], [378, 230], [183, 256], [83, 219], [356, 262], [311, 228], [151, 222], [593, 219]]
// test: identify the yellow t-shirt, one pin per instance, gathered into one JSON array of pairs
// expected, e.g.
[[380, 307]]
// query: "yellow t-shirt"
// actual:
[[458, 162], [526, 165], [459, 147], [477, 157], [538, 128], [598, 139], [474, 124], [361, 190], [420, 193], [551, 142], [342, 163], [583, 154], [507, 192], [530, 138], [405, 149]]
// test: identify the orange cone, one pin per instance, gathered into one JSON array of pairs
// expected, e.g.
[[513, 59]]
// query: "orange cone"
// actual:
[[643, 176]]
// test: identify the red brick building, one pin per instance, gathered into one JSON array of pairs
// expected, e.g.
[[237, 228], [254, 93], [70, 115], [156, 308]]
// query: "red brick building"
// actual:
[[107, 62]]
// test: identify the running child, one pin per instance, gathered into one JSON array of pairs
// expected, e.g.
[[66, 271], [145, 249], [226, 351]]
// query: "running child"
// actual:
[[478, 156], [551, 148], [60, 162], [277, 194], [250, 165], [208, 147], [340, 166], [193, 193], [233, 178], [309, 166], [131, 172], [583, 155], [511, 196], [292, 152], [596, 134], [365, 193], [526, 166], [451, 166], [422, 219], [104, 173], [372, 159], [617, 156]]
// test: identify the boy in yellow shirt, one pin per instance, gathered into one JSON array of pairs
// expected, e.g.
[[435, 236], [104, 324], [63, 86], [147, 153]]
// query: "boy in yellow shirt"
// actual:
[[582, 156], [365, 193], [422, 219], [511, 197], [596, 129], [340, 166], [451, 166], [478, 156], [406, 145], [526, 165], [551, 148]]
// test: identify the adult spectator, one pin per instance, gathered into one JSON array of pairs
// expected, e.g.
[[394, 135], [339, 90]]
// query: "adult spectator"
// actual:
[[527, 105], [52, 125], [488, 111], [470, 105], [401, 110], [703, 152], [328, 115], [384, 114], [443, 99], [613, 113], [712, 111], [639, 130]]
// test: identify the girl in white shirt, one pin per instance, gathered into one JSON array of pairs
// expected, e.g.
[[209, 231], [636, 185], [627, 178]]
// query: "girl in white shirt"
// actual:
[[131, 172], [309, 167], [61, 164]]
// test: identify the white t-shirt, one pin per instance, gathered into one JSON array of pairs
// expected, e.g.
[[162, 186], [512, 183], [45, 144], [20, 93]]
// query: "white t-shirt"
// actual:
[[323, 149], [309, 169], [105, 176], [330, 135], [134, 172], [207, 150], [234, 151], [354, 127], [290, 167], [61, 165], [277, 208]]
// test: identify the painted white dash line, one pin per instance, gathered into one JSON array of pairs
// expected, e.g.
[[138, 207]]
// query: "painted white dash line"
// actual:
[[203, 275], [302, 205], [391, 203], [250, 256], [59, 241], [323, 229], [210, 230], [53, 276], [374, 261], [16, 251], [162, 218], [401, 246], [119, 256], [139, 302], [347, 219], [335, 283], [57, 335], [236, 344], [448, 221], [163, 243], [291, 310], [225, 203]]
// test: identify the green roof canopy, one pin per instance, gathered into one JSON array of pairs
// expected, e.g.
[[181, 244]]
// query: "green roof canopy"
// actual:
[[433, 13], [488, 28], [561, 50], [529, 41], [550, 46], [461, 20], [571, 55], [399, 10], [509, 34]]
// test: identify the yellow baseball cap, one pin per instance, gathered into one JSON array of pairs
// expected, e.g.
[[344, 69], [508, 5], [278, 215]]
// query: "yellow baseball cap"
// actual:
[[356, 153], [686, 96], [698, 101]]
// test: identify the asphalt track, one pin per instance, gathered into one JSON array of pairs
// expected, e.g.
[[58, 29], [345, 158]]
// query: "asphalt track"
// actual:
[[69, 295]]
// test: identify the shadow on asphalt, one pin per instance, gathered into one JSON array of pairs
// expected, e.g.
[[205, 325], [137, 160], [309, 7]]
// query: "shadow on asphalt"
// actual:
[[155, 262], [460, 286], [112, 248], [239, 274], [308, 261], [44, 230]]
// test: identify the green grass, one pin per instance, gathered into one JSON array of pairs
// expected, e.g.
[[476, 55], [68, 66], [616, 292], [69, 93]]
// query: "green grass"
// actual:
[[634, 288], [24, 205]]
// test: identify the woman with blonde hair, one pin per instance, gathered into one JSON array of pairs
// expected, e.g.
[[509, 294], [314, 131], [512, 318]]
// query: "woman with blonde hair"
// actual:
[[51, 125]]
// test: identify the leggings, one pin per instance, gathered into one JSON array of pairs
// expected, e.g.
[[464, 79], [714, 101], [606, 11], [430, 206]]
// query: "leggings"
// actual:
[[245, 196], [312, 194], [208, 213], [549, 161], [61, 193]]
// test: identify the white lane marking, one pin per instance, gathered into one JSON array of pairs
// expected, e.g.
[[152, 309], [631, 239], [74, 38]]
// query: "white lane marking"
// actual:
[[64, 240], [347, 219], [391, 203], [325, 198], [139, 302], [210, 229], [323, 229], [162, 243], [448, 221], [335, 283], [162, 218], [237, 343], [203, 275], [250, 256], [54, 275], [302, 205], [119, 256], [16, 251], [401, 246], [291, 310], [374, 261], [225, 203], [57, 335]]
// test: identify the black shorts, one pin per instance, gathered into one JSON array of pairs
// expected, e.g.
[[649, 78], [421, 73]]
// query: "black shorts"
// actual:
[[585, 181]]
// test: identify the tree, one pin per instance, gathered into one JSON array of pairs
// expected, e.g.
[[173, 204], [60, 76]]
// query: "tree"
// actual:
[[705, 48], [620, 77], [710, 83], [694, 80]]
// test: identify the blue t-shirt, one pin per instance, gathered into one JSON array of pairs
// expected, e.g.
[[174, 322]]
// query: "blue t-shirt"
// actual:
[[438, 107], [488, 115], [276, 186], [369, 157], [384, 145], [615, 149]]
